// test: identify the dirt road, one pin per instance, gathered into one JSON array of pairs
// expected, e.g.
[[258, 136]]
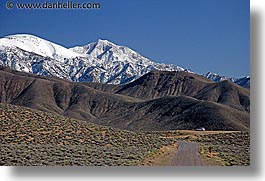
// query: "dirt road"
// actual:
[[187, 155]]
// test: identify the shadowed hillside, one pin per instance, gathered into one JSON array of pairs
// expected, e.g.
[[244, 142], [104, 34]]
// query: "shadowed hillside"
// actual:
[[160, 83], [57, 96], [174, 113], [157, 84], [186, 109], [226, 93]]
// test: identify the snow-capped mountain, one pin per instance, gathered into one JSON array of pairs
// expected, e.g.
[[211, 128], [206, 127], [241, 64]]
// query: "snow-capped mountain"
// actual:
[[38, 46], [35, 55], [101, 61], [244, 81], [217, 78], [125, 63]]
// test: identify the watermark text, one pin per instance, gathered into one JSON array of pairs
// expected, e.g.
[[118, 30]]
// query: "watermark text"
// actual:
[[53, 5]]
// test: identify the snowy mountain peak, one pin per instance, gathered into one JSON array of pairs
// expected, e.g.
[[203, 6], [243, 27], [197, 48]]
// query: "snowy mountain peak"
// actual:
[[244, 81], [210, 74], [34, 44], [215, 77], [105, 42], [100, 61], [100, 45]]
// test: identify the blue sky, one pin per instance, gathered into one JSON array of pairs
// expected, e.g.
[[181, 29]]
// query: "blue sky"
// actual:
[[202, 35]]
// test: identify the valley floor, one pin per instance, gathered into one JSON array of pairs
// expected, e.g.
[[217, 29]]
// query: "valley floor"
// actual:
[[30, 137]]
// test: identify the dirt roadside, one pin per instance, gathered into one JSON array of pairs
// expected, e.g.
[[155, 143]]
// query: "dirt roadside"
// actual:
[[179, 154]]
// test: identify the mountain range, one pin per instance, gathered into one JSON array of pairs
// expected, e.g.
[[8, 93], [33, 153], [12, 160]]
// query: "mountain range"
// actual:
[[244, 81], [115, 86], [159, 100], [101, 61]]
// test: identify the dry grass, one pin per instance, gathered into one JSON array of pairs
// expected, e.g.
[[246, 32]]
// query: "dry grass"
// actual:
[[162, 157], [227, 148], [30, 137]]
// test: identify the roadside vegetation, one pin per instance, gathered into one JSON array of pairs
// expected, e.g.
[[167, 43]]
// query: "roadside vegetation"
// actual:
[[227, 148], [30, 137]]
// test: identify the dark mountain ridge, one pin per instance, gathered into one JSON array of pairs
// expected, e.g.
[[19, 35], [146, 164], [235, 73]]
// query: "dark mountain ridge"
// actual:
[[146, 104], [157, 84]]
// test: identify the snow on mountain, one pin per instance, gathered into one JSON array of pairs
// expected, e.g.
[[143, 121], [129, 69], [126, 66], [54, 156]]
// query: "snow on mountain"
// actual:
[[244, 81], [126, 64], [38, 46], [101, 61], [216, 77]]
